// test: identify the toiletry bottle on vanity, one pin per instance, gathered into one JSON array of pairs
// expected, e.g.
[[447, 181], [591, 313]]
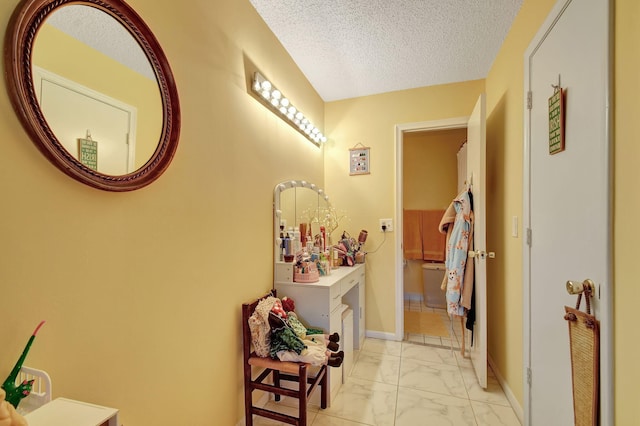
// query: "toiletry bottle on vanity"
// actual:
[[295, 240], [281, 242], [323, 241]]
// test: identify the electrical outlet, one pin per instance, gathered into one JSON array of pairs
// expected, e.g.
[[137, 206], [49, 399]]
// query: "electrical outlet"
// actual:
[[388, 225]]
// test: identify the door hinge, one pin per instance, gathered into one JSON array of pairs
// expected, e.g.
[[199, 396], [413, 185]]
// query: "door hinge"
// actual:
[[529, 237], [529, 100], [529, 376]]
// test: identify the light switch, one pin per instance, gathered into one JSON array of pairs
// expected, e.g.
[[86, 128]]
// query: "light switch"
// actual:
[[514, 226]]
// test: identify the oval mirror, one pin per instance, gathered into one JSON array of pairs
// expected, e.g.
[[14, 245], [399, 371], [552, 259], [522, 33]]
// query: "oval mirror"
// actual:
[[94, 90]]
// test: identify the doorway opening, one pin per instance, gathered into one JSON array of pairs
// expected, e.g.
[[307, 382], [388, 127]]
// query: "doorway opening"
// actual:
[[434, 172], [410, 292]]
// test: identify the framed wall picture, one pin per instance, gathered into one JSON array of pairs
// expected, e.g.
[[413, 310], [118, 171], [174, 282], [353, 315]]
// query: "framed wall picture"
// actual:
[[359, 160]]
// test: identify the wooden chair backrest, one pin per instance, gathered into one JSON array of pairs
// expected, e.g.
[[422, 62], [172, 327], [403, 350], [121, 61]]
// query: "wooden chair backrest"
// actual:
[[247, 311]]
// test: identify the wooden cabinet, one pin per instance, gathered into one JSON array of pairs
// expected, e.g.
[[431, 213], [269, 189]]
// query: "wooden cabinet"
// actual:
[[321, 304]]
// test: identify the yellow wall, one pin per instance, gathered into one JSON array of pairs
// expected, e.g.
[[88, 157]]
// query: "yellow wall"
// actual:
[[371, 121], [142, 290], [430, 168], [626, 205]]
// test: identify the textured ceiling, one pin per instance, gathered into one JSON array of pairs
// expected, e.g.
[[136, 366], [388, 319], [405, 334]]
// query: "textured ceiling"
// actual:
[[353, 48], [103, 33]]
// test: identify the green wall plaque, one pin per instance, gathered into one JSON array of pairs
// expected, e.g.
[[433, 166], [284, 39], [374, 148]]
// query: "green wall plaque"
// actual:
[[556, 121], [88, 153]]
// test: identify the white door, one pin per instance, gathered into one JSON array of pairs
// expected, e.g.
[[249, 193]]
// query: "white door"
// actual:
[[567, 210], [73, 111], [476, 175]]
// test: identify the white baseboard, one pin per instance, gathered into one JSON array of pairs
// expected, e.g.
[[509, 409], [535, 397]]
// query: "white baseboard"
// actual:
[[381, 335], [517, 408]]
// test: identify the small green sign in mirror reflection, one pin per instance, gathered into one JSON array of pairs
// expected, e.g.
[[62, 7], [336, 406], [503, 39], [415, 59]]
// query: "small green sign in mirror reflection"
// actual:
[[88, 153]]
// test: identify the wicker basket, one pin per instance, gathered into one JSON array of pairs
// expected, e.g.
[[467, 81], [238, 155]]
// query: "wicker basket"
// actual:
[[310, 277], [584, 336], [310, 274]]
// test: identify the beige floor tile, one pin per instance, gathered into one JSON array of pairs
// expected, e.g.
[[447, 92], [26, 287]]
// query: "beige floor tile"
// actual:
[[387, 347], [494, 415], [377, 368], [417, 407], [363, 401], [428, 353], [324, 420], [432, 377], [493, 394]]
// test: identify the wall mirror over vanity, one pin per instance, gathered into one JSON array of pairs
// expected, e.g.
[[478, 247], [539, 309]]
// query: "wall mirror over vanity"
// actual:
[[335, 301], [93, 89]]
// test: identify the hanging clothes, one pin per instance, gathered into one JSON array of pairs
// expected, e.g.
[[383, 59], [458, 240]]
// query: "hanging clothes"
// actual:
[[457, 223]]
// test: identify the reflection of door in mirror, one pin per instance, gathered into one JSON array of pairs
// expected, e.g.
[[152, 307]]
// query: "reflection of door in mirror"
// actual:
[[76, 113], [65, 47]]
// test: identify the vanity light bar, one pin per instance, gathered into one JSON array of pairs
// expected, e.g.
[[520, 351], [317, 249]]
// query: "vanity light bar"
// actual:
[[282, 106]]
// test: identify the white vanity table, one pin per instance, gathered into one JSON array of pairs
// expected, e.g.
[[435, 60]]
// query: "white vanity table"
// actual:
[[320, 305], [67, 412]]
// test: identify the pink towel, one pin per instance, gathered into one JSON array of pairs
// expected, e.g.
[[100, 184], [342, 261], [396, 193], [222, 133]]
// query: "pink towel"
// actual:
[[412, 234], [433, 242]]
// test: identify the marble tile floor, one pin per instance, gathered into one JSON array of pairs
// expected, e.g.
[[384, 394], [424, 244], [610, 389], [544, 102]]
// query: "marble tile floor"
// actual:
[[409, 384], [455, 338]]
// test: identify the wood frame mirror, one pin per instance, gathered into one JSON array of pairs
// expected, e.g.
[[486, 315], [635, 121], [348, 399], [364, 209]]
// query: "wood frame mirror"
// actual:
[[23, 28]]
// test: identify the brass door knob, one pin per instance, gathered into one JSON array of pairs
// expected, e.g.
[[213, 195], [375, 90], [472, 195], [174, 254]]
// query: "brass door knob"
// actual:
[[577, 287]]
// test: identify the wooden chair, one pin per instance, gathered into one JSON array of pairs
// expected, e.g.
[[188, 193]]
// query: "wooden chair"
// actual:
[[278, 370]]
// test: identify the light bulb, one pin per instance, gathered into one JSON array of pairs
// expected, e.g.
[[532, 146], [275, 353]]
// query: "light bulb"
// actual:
[[266, 85], [276, 94], [284, 102], [266, 94]]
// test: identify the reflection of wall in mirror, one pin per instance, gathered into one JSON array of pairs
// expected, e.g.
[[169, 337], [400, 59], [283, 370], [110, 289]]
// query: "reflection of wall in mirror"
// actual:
[[288, 208], [65, 56], [299, 205]]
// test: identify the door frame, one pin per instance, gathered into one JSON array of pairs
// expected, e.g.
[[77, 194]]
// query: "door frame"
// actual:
[[400, 130], [606, 290]]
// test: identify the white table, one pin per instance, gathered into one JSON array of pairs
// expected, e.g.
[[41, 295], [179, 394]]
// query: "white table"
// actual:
[[320, 305], [67, 412]]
